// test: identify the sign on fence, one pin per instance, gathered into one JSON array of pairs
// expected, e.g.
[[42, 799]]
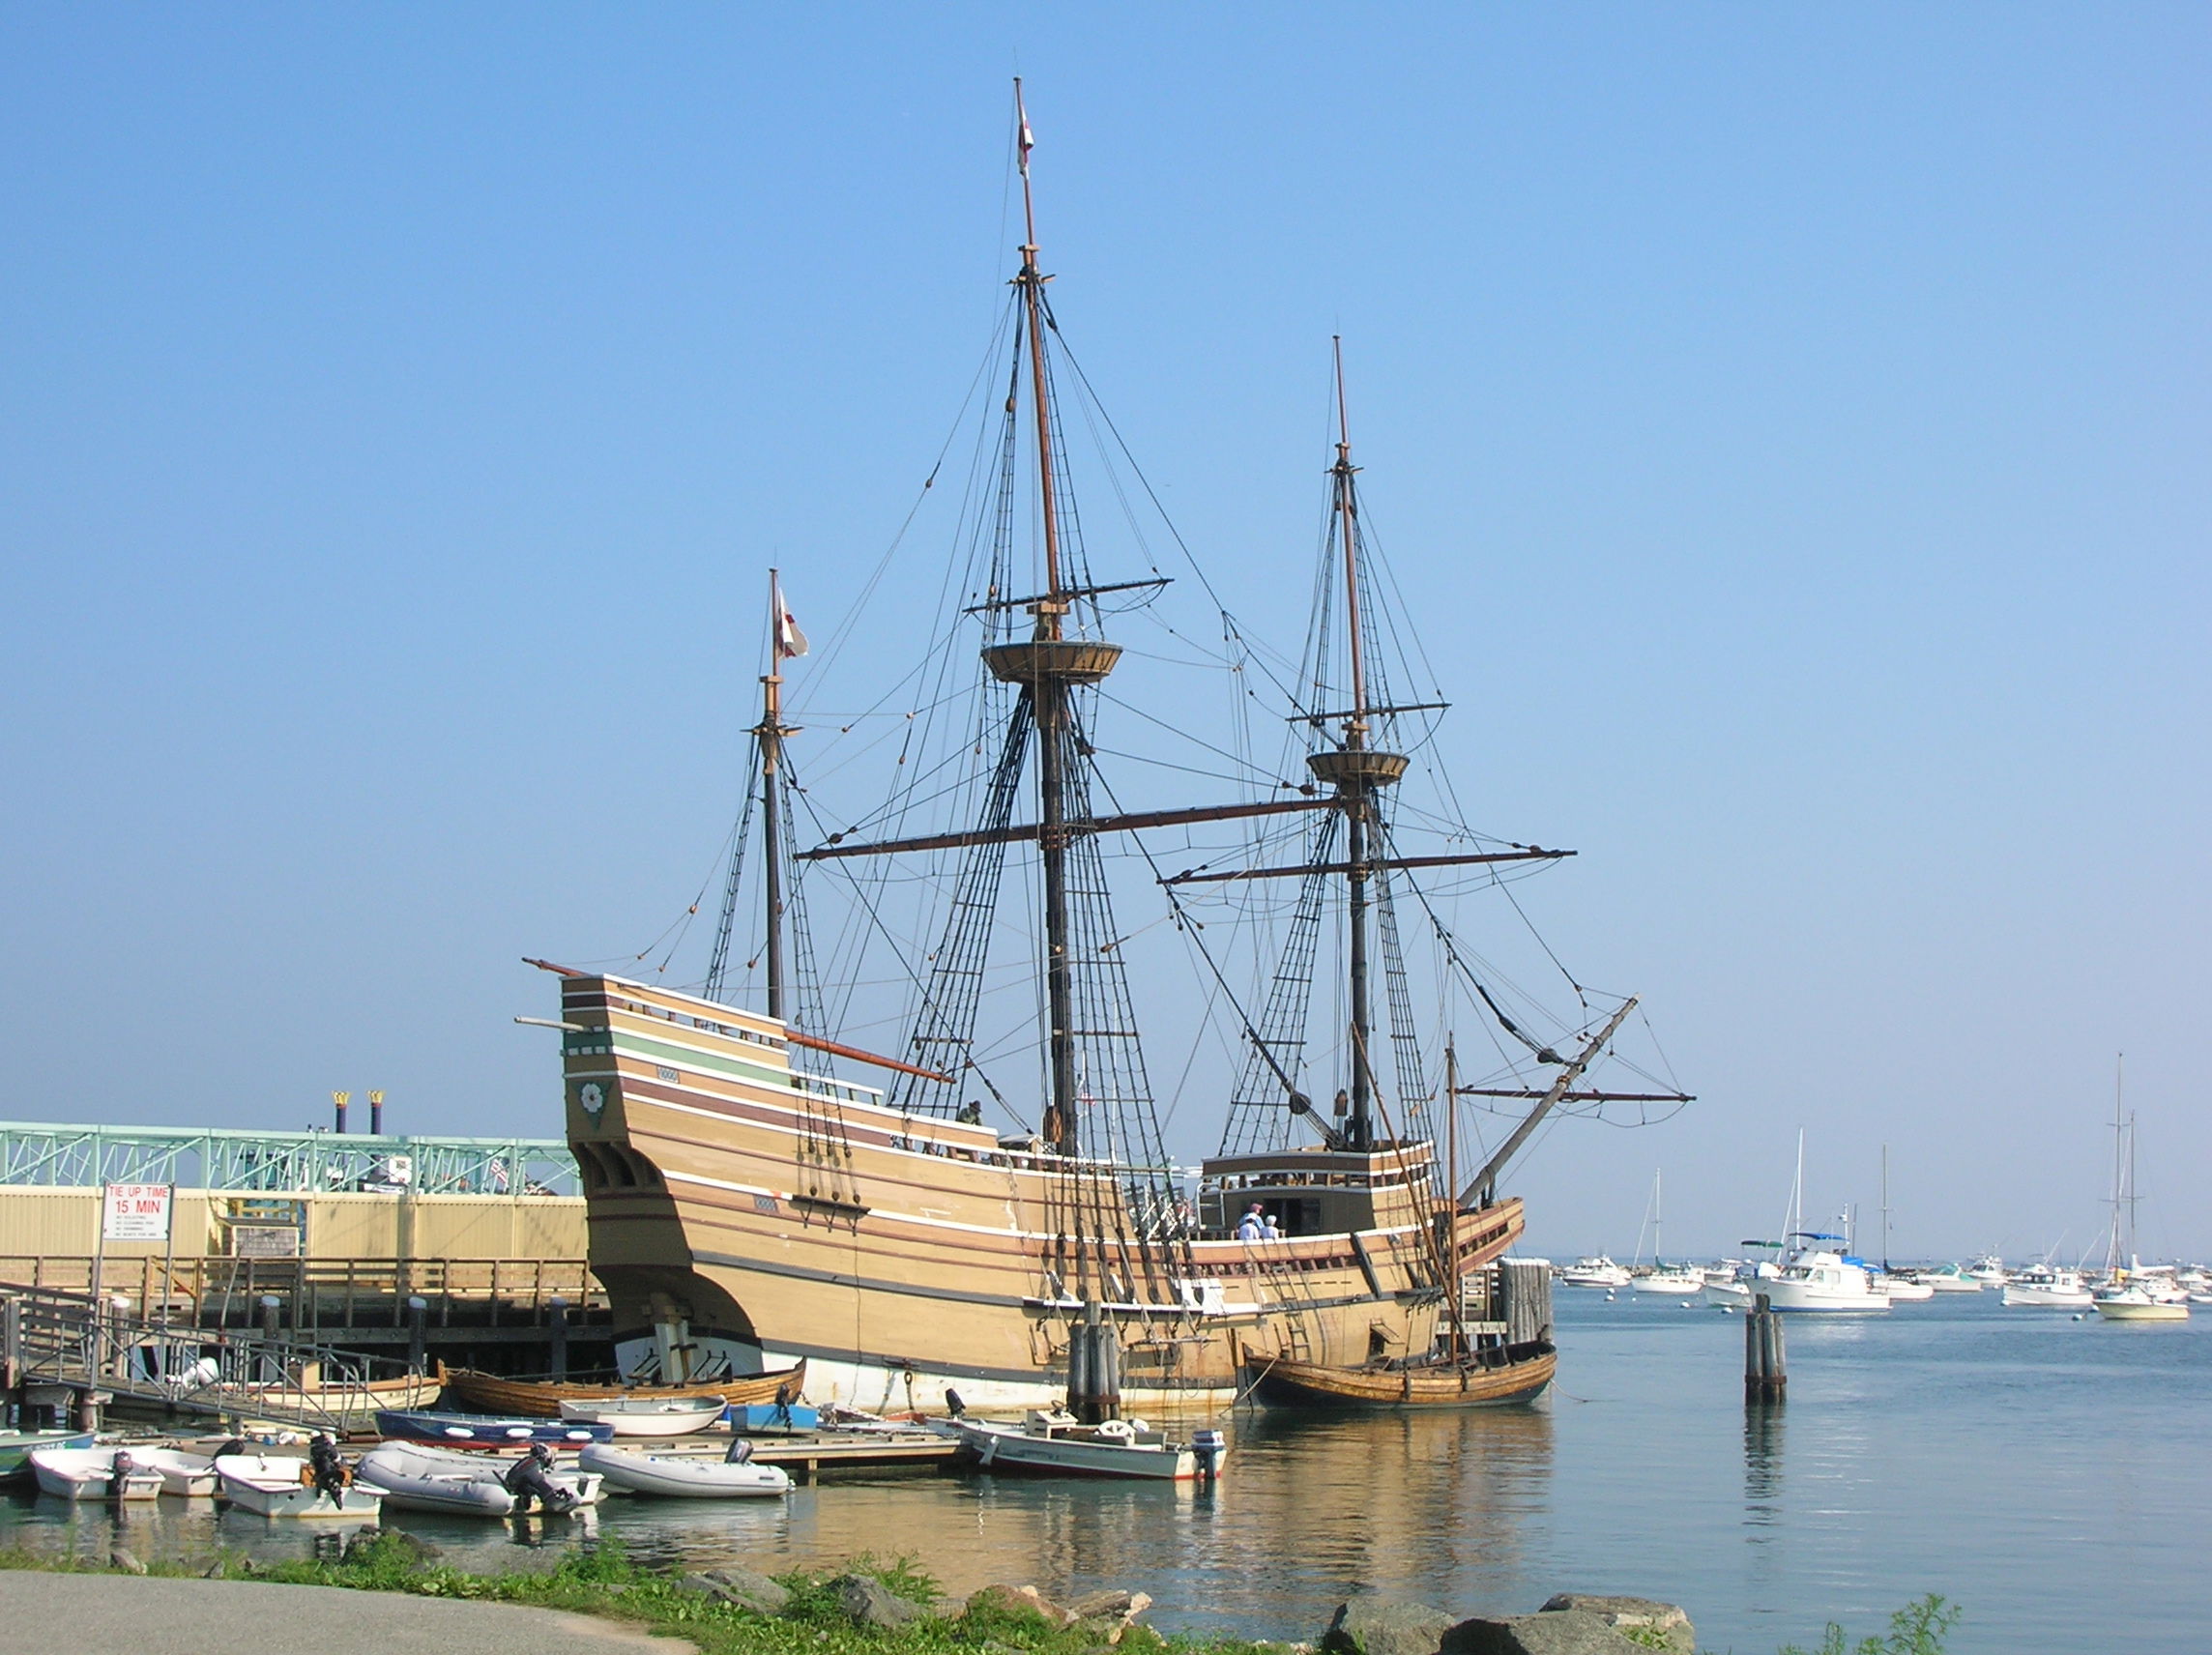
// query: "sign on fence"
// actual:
[[265, 1240], [137, 1212]]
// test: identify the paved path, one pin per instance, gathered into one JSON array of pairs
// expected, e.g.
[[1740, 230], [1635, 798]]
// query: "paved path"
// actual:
[[124, 1615]]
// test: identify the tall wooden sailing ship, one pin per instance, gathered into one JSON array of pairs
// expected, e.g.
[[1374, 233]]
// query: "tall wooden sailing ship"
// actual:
[[750, 1209]]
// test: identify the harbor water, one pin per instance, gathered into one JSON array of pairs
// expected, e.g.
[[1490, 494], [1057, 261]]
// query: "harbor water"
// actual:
[[2045, 1473]]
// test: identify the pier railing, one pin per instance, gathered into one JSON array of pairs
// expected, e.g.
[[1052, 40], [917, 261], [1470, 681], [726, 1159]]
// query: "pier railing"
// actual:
[[224, 1158], [84, 1344], [315, 1295]]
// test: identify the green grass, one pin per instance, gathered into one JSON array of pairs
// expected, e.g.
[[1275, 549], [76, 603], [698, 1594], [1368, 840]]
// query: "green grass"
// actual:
[[601, 1580], [1918, 1629]]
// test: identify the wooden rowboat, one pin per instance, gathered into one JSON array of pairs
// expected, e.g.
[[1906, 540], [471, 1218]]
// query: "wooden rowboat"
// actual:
[[650, 1416], [1410, 1384], [538, 1399]]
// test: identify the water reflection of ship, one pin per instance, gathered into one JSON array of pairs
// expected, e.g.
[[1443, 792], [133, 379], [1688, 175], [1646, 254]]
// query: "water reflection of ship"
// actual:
[[1763, 1432], [748, 1209], [1394, 1500]]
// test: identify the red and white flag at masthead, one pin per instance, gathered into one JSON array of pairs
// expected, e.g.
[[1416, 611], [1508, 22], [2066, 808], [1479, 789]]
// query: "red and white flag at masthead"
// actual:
[[1026, 141], [790, 640]]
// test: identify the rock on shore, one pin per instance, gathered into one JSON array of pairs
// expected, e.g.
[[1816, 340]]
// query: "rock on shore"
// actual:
[[1571, 1623]]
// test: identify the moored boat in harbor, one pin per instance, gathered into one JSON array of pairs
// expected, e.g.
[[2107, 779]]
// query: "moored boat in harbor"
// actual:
[[17, 1447], [685, 1477], [417, 1477], [94, 1474], [2045, 1287], [1594, 1271], [186, 1475], [1951, 1279], [1491, 1380], [274, 1485], [541, 1399], [2133, 1302], [637, 1416], [491, 1430], [1820, 1280], [1056, 1443]]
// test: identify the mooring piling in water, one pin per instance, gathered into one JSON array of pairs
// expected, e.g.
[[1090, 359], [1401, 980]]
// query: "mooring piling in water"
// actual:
[[556, 1337], [1094, 1367], [1525, 1301], [1765, 1364]]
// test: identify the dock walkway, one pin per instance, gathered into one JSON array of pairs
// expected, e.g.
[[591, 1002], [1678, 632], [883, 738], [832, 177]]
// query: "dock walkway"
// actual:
[[123, 1615]]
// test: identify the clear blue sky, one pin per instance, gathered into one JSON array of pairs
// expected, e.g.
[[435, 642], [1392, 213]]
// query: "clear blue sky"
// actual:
[[1798, 417]]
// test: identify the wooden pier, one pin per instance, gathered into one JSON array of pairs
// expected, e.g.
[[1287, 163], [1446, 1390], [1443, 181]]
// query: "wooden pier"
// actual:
[[812, 1459]]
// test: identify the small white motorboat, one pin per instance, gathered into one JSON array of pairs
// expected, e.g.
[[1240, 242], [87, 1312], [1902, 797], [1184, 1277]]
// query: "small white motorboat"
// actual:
[[279, 1485], [1989, 1271], [1905, 1290], [92, 1473], [1058, 1443], [1816, 1279], [2136, 1304], [647, 1416], [189, 1476], [415, 1477], [1682, 1282], [683, 1476], [1951, 1278], [2046, 1289], [1595, 1272]]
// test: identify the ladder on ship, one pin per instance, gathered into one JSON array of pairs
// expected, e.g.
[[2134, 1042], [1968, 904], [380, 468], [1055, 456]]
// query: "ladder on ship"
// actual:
[[1294, 1303]]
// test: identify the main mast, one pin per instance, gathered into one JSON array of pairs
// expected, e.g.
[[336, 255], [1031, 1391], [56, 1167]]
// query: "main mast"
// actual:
[[1357, 774], [1047, 668]]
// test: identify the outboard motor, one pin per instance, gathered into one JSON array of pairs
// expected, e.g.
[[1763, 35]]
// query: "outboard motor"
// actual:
[[1209, 1448]]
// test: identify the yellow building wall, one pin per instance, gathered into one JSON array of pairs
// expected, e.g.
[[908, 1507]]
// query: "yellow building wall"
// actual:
[[46, 1222]]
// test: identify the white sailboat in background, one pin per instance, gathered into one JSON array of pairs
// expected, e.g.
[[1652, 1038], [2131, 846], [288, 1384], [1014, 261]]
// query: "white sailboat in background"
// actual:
[[2132, 1293], [1679, 1282], [1903, 1288]]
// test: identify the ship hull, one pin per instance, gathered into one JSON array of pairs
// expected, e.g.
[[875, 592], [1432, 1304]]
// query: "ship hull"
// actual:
[[743, 1216]]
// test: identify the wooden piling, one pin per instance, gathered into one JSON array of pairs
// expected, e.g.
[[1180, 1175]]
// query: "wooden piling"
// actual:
[[556, 1337], [1766, 1365]]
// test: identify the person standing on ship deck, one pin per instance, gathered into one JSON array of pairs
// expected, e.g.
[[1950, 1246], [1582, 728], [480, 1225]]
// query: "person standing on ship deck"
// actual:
[[1252, 1226]]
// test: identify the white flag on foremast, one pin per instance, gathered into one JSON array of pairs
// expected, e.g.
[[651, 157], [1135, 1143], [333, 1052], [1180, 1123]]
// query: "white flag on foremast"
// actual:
[[790, 640]]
